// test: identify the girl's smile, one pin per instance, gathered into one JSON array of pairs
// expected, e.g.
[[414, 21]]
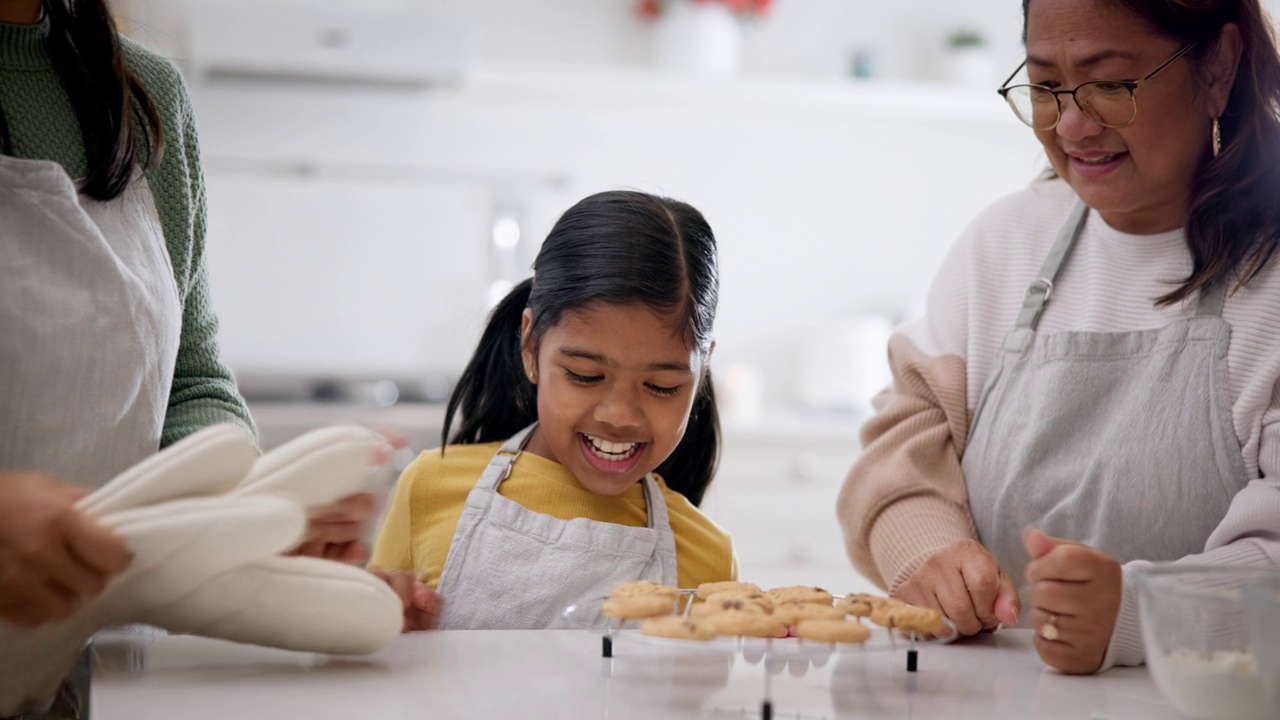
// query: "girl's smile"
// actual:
[[611, 457]]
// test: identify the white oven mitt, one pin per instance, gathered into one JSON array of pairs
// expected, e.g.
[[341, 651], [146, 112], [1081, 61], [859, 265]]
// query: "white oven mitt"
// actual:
[[207, 524], [315, 605]]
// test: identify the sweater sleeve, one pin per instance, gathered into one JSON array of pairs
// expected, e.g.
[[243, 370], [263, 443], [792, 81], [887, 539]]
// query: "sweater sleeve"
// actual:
[[905, 497], [203, 392]]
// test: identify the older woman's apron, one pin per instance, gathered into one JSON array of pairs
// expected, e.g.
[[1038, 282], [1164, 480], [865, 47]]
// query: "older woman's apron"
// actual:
[[1120, 440]]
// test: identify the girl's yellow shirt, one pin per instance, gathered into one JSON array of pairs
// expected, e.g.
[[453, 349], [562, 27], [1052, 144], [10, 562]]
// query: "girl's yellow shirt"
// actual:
[[419, 524]]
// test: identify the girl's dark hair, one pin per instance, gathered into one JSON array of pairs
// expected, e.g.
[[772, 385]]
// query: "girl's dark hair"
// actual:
[[617, 247], [1233, 226], [116, 115]]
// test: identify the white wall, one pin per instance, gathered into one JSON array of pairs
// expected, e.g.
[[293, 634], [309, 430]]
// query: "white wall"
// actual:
[[830, 198], [825, 204]]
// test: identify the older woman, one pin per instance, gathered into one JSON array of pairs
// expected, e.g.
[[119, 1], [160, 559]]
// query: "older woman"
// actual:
[[1100, 354]]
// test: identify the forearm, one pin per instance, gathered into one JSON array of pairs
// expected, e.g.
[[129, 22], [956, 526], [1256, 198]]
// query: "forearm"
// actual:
[[905, 498], [204, 392], [907, 532]]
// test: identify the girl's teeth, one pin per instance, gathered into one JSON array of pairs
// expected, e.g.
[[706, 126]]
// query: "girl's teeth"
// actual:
[[613, 450]]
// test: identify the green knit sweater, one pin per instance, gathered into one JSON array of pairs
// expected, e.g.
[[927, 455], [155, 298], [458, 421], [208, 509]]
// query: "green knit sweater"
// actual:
[[43, 125]]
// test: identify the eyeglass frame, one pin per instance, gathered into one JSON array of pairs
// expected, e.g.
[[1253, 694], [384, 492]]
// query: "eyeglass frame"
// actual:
[[1130, 85]]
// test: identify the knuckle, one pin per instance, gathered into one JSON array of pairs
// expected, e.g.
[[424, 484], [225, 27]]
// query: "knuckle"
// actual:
[[94, 586], [985, 583]]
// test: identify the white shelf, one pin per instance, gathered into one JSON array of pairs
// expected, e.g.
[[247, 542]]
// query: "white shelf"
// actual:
[[639, 89]]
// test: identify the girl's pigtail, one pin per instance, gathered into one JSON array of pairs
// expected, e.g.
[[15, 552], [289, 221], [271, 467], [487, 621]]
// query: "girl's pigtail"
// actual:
[[692, 466], [493, 399]]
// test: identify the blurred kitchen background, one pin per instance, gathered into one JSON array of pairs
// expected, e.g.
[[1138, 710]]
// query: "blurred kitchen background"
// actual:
[[378, 172]]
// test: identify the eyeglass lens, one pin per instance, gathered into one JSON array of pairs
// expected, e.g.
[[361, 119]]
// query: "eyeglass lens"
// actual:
[[1106, 103]]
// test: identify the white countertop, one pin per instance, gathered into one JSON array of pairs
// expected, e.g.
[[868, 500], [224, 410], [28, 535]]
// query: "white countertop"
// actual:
[[561, 674]]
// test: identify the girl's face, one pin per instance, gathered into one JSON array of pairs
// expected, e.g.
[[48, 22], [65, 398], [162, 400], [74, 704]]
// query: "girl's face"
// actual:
[[1138, 177], [615, 385]]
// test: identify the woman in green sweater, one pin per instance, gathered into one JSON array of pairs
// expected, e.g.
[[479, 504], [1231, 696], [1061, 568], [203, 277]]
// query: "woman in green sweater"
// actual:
[[108, 350]]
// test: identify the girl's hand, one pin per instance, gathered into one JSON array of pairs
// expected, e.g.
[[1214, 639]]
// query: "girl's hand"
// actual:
[[963, 582], [421, 603], [1075, 596], [52, 556]]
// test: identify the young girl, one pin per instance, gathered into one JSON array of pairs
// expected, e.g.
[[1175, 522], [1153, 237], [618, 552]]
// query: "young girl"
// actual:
[[587, 431]]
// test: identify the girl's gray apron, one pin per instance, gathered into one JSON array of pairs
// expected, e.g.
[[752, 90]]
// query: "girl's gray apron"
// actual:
[[91, 323], [1123, 441], [512, 568]]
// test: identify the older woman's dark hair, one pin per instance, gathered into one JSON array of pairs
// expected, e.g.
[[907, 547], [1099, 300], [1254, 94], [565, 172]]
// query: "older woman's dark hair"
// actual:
[[118, 121], [1233, 226], [617, 247]]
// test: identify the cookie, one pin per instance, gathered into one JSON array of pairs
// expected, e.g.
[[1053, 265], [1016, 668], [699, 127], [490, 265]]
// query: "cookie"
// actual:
[[792, 612], [883, 613], [640, 606], [744, 623], [860, 604], [678, 627], [921, 620], [834, 631], [756, 598], [707, 589], [726, 604], [799, 593], [637, 588]]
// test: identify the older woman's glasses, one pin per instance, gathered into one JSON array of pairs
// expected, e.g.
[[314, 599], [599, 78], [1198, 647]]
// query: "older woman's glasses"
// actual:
[[1110, 103]]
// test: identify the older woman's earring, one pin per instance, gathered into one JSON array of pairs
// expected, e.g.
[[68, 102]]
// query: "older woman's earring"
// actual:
[[1217, 137]]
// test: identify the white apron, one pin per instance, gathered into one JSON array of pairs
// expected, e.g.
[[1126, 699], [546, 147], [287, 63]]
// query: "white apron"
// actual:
[[89, 325], [1120, 440], [512, 568]]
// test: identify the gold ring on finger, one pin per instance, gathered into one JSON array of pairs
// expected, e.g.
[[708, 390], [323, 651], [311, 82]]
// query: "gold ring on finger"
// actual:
[[1049, 630]]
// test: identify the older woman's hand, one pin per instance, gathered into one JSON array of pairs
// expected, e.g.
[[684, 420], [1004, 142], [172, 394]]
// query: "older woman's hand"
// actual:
[[1075, 599], [963, 582]]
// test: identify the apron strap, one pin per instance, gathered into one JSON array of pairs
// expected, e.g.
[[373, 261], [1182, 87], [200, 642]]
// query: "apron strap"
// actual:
[[1212, 298], [655, 504], [499, 466], [1038, 293]]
